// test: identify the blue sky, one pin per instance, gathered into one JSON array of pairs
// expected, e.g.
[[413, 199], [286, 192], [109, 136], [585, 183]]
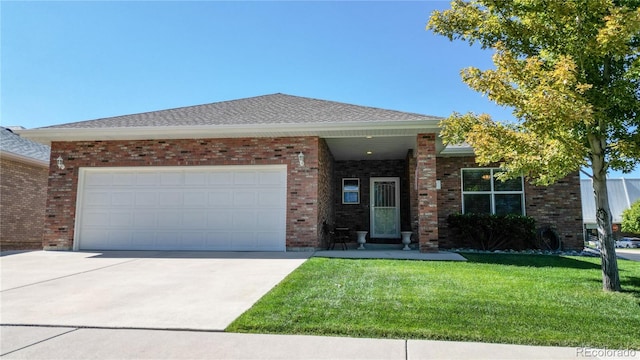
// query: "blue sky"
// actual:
[[78, 60]]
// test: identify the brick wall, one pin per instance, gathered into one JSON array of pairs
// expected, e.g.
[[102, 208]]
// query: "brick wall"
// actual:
[[357, 216], [413, 192], [23, 190], [558, 205], [302, 182], [450, 196], [326, 196], [426, 191]]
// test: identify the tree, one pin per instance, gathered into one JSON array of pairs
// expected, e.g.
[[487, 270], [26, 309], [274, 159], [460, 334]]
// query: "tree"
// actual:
[[571, 72], [631, 218]]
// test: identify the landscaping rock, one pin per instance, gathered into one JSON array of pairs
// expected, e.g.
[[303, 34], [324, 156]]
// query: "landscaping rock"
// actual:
[[585, 252]]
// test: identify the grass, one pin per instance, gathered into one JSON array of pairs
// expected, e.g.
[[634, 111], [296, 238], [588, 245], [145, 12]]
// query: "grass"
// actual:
[[500, 298]]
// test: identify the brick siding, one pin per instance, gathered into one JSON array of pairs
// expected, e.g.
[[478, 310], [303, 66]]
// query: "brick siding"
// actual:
[[302, 182], [558, 205], [314, 191], [23, 189], [326, 195], [426, 191], [413, 192]]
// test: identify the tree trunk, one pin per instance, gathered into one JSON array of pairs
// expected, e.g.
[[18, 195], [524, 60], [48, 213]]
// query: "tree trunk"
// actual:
[[609, 261]]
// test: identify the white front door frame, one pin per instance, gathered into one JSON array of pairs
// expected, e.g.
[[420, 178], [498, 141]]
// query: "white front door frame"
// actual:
[[385, 205]]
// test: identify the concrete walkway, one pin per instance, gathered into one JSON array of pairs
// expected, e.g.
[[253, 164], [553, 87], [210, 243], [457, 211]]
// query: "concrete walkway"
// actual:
[[390, 254], [387, 251], [81, 343]]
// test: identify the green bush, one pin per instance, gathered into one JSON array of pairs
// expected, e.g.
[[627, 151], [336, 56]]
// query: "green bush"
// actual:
[[495, 232], [631, 218]]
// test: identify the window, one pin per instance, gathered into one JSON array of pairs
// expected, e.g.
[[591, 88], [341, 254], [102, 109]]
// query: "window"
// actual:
[[482, 193], [351, 191]]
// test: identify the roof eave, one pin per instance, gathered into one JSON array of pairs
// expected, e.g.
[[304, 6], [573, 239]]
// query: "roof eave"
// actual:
[[373, 128], [23, 159], [457, 151]]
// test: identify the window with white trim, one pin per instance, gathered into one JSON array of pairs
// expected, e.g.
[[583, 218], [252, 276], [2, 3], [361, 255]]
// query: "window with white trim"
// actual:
[[351, 191], [482, 193]]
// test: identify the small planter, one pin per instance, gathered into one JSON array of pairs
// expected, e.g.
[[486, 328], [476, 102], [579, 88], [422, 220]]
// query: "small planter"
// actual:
[[362, 239], [406, 239]]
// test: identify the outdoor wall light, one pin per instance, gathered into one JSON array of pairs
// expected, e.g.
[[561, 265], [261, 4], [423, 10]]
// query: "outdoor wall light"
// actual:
[[301, 158], [60, 163]]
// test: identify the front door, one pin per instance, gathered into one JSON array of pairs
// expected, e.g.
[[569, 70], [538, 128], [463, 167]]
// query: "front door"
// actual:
[[385, 207]]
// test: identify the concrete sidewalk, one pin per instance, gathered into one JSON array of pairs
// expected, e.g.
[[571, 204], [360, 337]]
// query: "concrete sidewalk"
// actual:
[[20, 342]]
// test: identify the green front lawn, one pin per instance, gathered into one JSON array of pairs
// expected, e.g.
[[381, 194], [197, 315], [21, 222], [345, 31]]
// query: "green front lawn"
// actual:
[[518, 299]]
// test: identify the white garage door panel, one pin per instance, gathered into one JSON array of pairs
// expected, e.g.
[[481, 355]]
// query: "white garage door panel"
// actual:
[[226, 208]]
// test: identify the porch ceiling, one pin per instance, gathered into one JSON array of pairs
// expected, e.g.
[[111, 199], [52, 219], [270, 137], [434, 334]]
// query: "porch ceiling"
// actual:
[[380, 147]]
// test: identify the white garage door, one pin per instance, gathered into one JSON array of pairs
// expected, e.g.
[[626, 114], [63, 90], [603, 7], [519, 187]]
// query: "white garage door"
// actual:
[[225, 208]]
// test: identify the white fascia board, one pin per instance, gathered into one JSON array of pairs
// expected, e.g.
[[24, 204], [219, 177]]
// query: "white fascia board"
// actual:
[[23, 159], [458, 150], [387, 128]]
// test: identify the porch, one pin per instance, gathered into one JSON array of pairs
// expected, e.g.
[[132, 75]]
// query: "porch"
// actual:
[[382, 186]]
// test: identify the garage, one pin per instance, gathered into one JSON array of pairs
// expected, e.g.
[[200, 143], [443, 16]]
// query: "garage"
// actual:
[[207, 208]]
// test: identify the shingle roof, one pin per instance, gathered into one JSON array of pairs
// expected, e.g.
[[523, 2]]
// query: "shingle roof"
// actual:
[[13, 143], [266, 109], [622, 194]]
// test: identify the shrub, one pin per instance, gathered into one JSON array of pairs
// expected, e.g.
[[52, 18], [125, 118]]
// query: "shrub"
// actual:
[[495, 232], [631, 218]]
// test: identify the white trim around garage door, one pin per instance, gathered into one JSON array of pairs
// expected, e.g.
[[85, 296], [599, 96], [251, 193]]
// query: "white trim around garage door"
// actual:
[[194, 208]]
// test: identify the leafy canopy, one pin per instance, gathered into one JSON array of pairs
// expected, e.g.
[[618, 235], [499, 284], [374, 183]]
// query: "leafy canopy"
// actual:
[[569, 69]]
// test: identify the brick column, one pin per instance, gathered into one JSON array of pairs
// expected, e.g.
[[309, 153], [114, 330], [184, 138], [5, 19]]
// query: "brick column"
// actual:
[[60, 211], [413, 192], [427, 197]]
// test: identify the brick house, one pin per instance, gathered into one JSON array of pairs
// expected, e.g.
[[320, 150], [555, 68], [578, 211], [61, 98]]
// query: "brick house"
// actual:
[[265, 173], [24, 170]]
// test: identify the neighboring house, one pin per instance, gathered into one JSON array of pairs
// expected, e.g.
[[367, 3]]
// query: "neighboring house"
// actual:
[[265, 173], [24, 170], [622, 194]]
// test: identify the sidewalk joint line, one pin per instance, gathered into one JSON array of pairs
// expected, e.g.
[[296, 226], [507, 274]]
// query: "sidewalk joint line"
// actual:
[[89, 327], [406, 349], [69, 275], [41, 341]]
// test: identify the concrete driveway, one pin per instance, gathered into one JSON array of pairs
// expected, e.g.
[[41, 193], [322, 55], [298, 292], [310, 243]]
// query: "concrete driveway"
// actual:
[[137, 289]]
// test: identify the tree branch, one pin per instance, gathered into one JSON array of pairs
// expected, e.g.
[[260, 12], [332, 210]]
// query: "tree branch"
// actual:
[[586, 173]]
